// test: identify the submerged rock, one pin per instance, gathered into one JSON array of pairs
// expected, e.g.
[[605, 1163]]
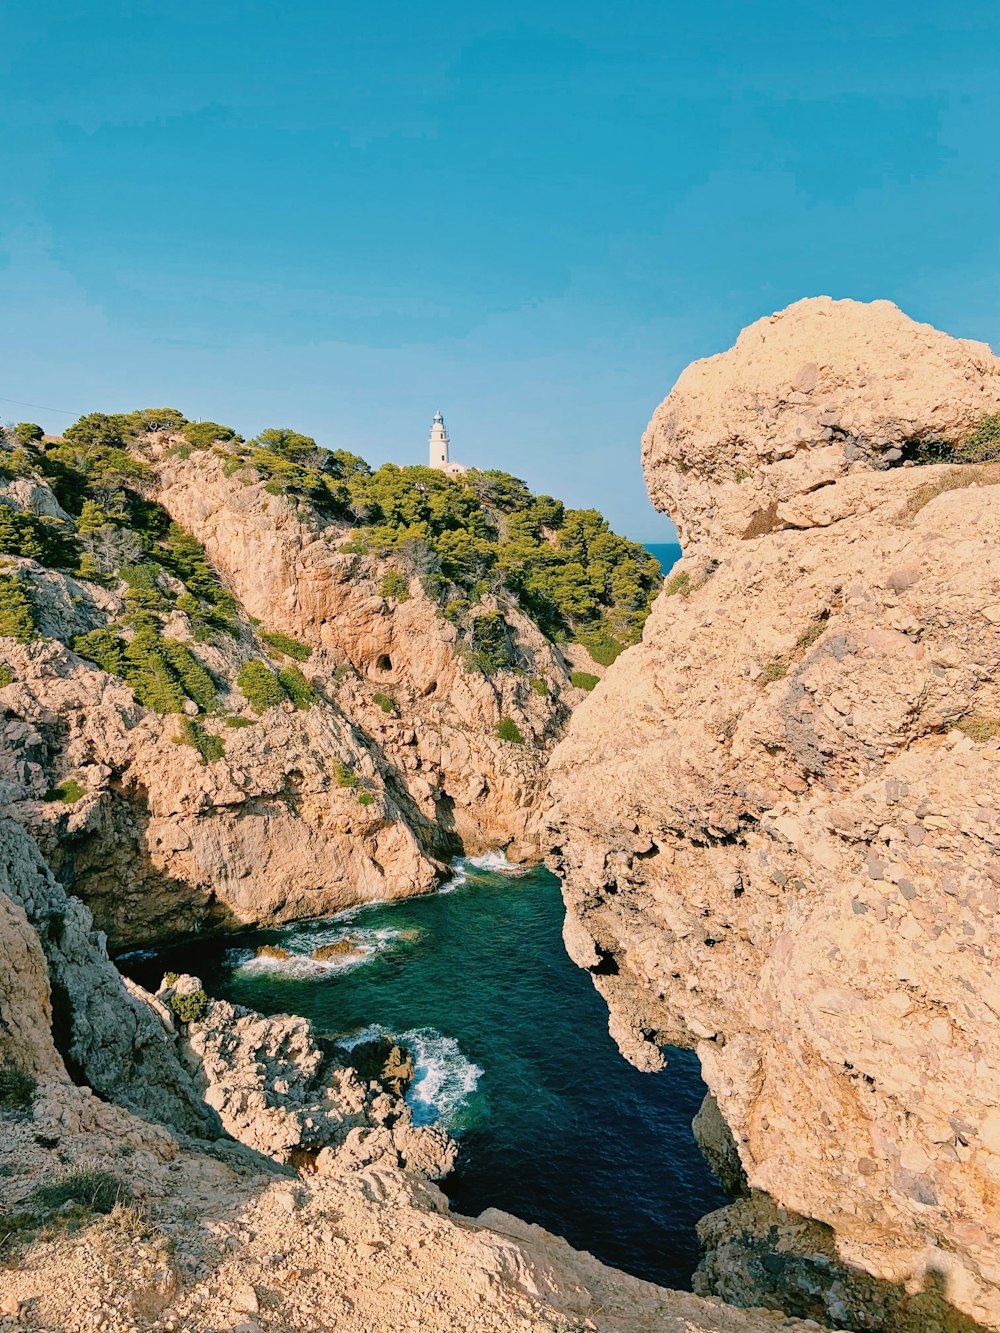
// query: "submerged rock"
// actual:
[[348, 947]]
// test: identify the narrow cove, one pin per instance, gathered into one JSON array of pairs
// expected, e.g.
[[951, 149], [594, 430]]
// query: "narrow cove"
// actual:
[[513, 1057]]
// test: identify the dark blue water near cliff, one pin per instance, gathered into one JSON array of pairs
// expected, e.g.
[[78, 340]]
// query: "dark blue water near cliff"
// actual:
[[668, 553], [513, 1055]]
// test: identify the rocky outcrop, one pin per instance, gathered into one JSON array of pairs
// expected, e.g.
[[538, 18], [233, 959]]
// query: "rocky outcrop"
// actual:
[[159, 843], [468, 788], [104, 1029], [278, 1090], [366, 794], [779, 816]]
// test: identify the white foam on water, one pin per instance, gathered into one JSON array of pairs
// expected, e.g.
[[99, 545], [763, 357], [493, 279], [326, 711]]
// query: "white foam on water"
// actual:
[[496, 860], [133, 954], [444, 1078], [299, 963]]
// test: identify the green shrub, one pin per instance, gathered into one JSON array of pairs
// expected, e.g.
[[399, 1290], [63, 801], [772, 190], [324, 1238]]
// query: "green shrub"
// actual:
[[240, 722], [97, 1191], [302, 692], [345, 775], [365, 798], [540, 686], [583, 680], [603, 647], [204, 434], [260, 686], [955, 479], [68, 791], [182, 451], [7, 676], [508, 730], [210, 747], [170, 978], [344, 672], [386, 702], [983, 445], [191, 1007], [282, 643], [17, 1089], [679, 583], [489, 639], [17, 618], [395, 585], [27, 433]]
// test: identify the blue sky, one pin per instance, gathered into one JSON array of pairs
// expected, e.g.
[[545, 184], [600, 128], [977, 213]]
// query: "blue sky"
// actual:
[[339, 217]]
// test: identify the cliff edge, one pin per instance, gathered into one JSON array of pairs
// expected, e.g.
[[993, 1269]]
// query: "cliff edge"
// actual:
[[778, 818]]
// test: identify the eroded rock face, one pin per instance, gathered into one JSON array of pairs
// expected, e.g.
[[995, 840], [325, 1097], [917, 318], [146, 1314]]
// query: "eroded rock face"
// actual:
[[105, 1030], [440, 739], [779, 816]]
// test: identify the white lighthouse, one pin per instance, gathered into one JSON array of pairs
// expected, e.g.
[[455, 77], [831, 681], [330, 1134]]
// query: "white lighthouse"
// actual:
[[439, 444]]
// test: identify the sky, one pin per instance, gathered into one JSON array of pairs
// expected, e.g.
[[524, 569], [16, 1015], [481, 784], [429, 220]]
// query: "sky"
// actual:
[[339, 217]]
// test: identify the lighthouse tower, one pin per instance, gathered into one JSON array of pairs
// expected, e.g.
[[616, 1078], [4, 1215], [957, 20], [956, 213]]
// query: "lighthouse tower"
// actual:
[[439, 444]]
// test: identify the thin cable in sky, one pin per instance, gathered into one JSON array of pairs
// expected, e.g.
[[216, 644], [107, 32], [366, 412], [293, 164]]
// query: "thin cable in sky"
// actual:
[[40, 406]]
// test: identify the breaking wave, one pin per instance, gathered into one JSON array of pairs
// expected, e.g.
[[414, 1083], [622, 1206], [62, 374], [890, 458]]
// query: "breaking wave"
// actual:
[[297, 949], [444, 1080]]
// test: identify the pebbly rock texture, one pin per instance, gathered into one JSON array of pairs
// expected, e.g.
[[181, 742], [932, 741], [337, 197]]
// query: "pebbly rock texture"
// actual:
[[779, 816]]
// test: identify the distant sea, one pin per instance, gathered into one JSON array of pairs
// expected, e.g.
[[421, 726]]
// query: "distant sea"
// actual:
[[668, 553]]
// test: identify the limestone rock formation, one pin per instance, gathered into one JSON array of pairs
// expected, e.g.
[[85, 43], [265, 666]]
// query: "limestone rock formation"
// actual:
[[465, 784], [391, 766], [779, 816], [105, 1031]]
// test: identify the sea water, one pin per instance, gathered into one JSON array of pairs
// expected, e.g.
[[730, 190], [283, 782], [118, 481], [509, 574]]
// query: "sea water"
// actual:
[[512, 1056]]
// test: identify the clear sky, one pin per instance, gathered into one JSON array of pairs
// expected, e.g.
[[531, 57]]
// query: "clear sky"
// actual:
[[339, 217]]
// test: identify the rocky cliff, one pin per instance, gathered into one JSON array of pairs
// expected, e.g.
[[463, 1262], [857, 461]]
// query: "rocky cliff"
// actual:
[[778, 818], [383, 749]]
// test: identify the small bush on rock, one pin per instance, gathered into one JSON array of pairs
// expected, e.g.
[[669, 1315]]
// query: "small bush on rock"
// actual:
[[191, 1007], [7, 676], [386, 702], [283, 643], [508, 730], [98, 1191], [17, 619], [583, 680], [209, 747], [17, 1089], [67, 791], [395, 585], [301, 692], [980, 729], [260, 685]]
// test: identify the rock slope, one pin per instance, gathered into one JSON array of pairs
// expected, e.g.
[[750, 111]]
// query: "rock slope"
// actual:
[[778, 818]]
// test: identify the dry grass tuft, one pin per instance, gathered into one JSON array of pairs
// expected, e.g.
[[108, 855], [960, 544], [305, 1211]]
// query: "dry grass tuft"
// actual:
[[955, 479]]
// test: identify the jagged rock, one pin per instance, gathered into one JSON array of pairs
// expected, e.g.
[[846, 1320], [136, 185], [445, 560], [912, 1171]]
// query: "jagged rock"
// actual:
[[776, 848], [280, 1092], [106, 1034]]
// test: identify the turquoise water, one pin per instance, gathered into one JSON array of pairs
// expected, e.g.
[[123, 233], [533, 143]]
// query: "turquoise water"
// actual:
[[668, 553], [513, 1056]]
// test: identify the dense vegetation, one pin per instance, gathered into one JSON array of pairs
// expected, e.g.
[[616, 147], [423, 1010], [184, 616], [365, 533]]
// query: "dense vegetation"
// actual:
[[463, 537]]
